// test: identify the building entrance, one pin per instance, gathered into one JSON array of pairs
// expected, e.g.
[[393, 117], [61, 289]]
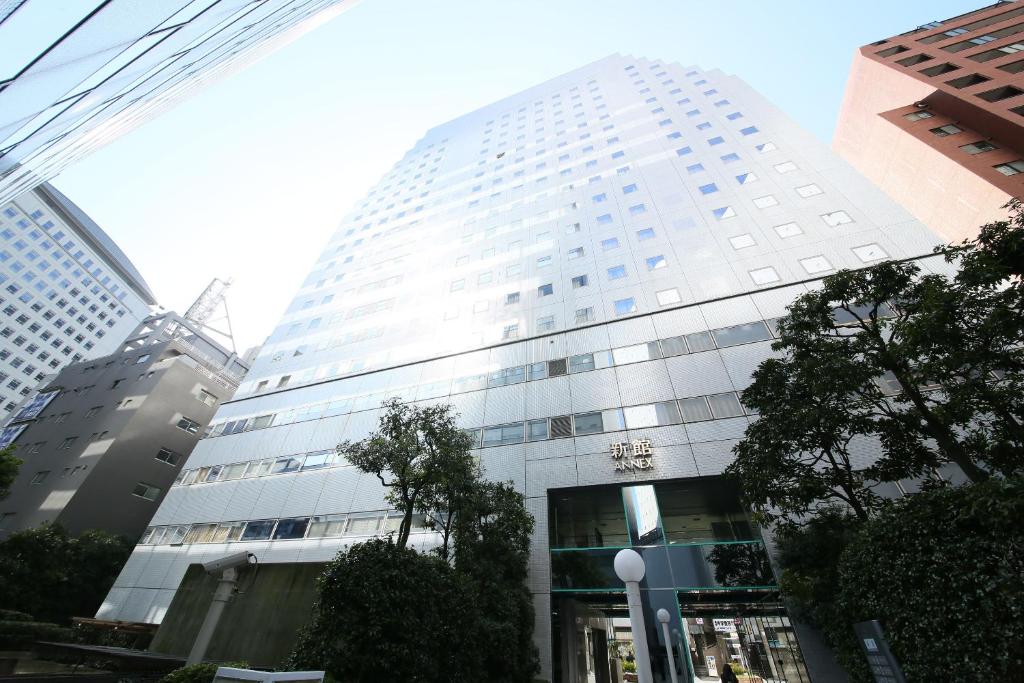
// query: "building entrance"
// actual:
[[706, 566]]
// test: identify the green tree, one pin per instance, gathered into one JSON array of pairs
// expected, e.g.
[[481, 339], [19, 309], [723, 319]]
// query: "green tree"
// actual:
[[388, 613], [797, 457], [492, 550], [54, 576], [413, 449], [469, 596], [9, 466], [928, 367]]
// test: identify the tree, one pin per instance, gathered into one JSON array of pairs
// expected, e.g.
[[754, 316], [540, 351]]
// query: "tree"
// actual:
[[54, 576], [797, 456], [388, 613], [929, 367], [9, 466], [451, 489], [459, 613], [492, 549], [413, 449]]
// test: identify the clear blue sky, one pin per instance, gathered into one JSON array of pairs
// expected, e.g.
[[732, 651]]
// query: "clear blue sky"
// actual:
[[249, 178]]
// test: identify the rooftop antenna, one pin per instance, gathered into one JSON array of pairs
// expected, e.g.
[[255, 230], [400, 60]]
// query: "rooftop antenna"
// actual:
[[209, 312]]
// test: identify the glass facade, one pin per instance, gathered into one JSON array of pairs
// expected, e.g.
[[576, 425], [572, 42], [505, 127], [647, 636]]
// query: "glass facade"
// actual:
[[75, 75], [705, 564]]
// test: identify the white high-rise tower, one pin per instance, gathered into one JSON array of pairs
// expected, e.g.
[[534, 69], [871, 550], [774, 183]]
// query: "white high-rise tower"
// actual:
[[588, 271]]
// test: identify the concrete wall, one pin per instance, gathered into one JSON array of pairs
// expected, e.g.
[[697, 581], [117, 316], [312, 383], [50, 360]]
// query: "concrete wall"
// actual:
[[259, 625]]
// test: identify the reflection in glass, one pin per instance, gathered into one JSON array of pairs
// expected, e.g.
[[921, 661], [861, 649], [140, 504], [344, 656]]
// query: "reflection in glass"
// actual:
[[591, 518], [642, 514]]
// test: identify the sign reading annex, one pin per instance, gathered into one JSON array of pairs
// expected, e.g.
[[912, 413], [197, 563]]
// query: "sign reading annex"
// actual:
[[635, 455]]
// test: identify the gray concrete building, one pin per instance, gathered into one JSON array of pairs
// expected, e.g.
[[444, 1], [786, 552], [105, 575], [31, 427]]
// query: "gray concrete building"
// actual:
[[104, 440]]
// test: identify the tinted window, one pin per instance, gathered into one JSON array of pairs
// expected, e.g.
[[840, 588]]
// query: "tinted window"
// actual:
[[741, 334], [588, 423], [694, 409], [258, 531]]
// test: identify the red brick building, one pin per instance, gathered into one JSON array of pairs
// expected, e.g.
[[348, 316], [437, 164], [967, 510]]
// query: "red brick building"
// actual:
[[935, 117]]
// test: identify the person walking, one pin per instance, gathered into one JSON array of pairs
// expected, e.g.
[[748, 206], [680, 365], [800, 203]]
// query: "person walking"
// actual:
[[727, 675]]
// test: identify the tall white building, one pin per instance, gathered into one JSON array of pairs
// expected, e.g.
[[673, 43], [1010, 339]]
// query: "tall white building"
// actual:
[[67, 292], [76, 74], [589, 272]]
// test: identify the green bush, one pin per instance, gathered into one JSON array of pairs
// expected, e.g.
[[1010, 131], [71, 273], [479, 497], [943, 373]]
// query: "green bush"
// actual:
[[57, 576], [20, 634], [198, 673], [14, 615], [942, 572], [406, 608]]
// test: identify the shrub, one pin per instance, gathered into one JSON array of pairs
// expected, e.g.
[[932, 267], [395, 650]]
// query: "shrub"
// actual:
[[198, 673], [403, 612], [58, 576], [14, 615], [941, 571], [20, 634]]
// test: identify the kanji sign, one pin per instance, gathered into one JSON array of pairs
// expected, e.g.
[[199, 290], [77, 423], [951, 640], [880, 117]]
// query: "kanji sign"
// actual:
[[633, 455]]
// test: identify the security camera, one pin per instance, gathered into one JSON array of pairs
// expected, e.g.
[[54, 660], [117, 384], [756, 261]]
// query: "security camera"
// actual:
[[232, 561]]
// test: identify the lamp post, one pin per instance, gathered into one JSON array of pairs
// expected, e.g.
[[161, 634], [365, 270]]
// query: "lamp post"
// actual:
[[630, 568], [663, 617]]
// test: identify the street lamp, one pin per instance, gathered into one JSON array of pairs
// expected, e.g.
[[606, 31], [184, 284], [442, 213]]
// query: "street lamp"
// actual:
[[663, 617], [630, 568]]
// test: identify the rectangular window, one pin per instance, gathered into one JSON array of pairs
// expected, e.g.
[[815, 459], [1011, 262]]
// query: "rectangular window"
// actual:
[[512, 298], [978, 147], [656, 262], [207, 398], [694, 409], [190, 426], [581, 363], [947, 130], [741, 334], [536, 430], [616, 272], [39, 477], [258, 531], [699, 341], [610, 243], [625, 306], [588, 423], [579, 281], [836, 218], [1011, 167], [725, 405], [503, 434], [584, 315], [291, 529], [918, 115], [545, 290], [168, 456], [147, 491]]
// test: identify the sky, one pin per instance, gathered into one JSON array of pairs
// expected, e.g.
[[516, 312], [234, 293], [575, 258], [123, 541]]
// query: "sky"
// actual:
[[248, 179]]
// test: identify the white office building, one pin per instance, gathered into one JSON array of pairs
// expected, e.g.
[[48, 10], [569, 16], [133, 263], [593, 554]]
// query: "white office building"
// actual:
[[588, 271], [67, 292]]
